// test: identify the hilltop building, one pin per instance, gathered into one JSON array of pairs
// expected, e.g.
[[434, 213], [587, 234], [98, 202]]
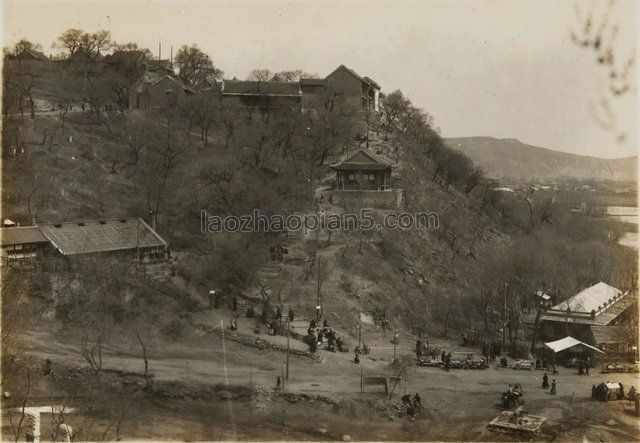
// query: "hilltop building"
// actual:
[[165, 92], [601, 315], [269, 95], [307, 94], [31, 55], [364, 178], [360, 92]]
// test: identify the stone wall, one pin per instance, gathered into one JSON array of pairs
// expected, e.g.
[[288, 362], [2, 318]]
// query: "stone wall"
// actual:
[[390, 199]]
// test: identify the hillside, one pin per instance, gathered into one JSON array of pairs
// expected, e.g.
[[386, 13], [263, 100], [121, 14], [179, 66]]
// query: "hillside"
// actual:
[[512, 159]]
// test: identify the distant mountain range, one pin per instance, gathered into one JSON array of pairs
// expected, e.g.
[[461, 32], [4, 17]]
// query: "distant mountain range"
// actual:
[[511, 159]]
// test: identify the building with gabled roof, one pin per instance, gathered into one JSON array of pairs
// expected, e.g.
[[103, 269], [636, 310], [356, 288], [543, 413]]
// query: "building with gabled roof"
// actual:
[[364, 178], [262, 95], [363, 171], [306, 94], [360, 92], [127, 238], [21, 243], [100, 236], [164, 92], [600, 315], [32, 55]]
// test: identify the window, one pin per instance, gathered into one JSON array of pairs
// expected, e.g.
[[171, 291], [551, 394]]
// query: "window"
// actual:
[[351, 177], [372, 177]]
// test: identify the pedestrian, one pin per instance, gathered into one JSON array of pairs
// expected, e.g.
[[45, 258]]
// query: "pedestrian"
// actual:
[[545, 381], [587, 365], [443, 356], [356, 359], [553, 387], [278, 383], [417, 401], [555, 369]]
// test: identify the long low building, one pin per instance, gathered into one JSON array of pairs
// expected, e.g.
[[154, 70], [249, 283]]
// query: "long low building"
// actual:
[[127, 237], [601, 315]]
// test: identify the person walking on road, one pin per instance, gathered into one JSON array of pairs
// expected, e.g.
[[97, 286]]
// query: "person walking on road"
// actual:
[[553, 387]]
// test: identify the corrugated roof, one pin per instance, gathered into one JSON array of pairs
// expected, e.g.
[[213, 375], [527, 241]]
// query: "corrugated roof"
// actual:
[[611, 334], [241, 87], [101, 236], [603, 317], [589, 299], [21, 235]]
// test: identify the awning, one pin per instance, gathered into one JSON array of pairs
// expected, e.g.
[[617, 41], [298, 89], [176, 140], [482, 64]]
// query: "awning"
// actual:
[[568, 342]]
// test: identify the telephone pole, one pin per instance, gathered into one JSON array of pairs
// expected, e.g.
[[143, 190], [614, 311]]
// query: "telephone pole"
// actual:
[[318, 301], [504, 316]]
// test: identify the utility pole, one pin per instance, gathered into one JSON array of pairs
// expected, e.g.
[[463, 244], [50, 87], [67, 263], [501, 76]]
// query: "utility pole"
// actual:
[[318, 302], [395, 343], [288, 336], [504, 316], [138, 244], [360, 333]]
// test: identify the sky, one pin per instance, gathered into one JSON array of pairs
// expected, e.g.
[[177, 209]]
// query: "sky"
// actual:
[[500, 68]]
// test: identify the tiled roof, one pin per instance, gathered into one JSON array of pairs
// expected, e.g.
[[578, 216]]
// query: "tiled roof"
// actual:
[[362, 160], [21, 236], [125, 57], [101, 236], [177, 82], [33, 53]]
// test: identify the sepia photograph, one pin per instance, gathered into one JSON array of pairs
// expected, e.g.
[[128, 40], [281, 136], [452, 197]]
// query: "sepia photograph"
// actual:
[[319, 220]]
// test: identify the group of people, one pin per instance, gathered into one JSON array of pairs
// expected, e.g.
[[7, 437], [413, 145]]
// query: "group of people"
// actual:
[[412, 405], [359, 351], [319, 334], [601, 392], [584, 366], [446, 360], [545, 384]]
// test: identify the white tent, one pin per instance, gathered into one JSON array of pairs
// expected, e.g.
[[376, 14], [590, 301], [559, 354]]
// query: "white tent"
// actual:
[[568, 342]]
